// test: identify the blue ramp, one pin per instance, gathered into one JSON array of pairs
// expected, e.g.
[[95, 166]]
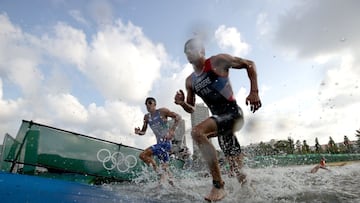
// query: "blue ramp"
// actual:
[[25, 188]]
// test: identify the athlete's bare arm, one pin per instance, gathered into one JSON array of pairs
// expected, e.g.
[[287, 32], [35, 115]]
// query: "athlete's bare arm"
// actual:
[[221, 64], [144, 127], [176, 117], [167, 113], [189, 104]]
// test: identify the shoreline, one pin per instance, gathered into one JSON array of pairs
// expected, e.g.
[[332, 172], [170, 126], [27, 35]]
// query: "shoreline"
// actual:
[[342, 163]]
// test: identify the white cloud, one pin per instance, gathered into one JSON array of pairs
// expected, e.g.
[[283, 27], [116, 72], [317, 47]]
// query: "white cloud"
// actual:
[[101, 11], [76, 14], [8, 107], [323, 111], [66, 108], [318, 32], [120, 61], [18, 60], [340, 87], [68, 44], [123, 62], [320, 112], [230, 38], [262, 24], [320, 27], [7, 29]]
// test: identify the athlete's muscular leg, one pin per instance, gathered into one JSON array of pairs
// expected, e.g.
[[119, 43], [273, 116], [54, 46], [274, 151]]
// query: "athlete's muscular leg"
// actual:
[[236, 164], [166, 174], [232, 150], [146, 156], [200, 134]]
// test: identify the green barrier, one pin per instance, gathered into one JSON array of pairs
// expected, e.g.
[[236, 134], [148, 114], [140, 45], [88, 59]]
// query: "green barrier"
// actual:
[[31, 147], [9, 151], [57, 153], [306, 159]]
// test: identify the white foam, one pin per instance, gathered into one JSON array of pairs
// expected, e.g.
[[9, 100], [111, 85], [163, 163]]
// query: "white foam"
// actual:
[[282, 184]]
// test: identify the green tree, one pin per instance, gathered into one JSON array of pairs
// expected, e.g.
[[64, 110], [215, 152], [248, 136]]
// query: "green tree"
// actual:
[[317, 146], [261, 149], [281, 146], [291, 146], [332, 148], [348, 145], [305, 148], [358, 141], [298, 146], [265, 149]]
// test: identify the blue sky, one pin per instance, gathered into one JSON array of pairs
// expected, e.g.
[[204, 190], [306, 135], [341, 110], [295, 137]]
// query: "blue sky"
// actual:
[[87, 66]]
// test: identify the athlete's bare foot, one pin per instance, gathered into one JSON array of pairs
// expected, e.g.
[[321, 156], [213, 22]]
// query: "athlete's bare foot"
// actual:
[[231, 174], [163, 178], [242, 179], [216, 194], [171, 182]]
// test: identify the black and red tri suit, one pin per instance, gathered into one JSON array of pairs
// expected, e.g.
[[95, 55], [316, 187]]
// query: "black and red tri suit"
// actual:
[[216, 92]]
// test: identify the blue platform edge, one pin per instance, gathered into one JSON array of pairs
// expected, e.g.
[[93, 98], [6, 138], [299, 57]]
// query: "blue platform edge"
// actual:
[[26, 188]]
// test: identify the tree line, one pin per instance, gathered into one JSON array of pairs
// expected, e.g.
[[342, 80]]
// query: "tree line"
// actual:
[[290, 147]]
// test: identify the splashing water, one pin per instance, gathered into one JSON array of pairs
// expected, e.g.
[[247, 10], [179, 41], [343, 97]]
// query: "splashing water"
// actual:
[[285, 184]]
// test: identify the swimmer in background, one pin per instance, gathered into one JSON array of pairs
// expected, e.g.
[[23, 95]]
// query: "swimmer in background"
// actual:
[[322, 165]]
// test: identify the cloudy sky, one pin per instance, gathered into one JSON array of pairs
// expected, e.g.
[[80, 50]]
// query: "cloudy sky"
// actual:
[[87, 65]]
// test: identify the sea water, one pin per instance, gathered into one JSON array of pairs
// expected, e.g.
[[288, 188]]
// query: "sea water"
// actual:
[[273, 184]]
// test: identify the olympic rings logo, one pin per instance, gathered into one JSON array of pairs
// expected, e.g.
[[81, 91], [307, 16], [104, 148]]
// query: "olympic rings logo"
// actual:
[[117, 159]]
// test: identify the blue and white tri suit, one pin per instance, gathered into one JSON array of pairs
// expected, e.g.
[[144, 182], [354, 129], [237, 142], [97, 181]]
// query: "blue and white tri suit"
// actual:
[[160, 128]]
